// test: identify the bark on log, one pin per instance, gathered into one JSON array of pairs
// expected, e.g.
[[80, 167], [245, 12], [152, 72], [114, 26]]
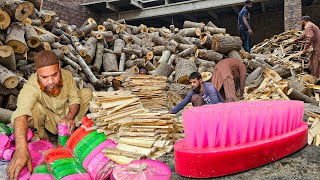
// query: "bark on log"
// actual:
[[296, 95], [190, 32], [183, 70], [210, 24], [197, 42], [112, 27], [199, 61], [5, 115], [7, 78], [225, 44], [126, 37], [5, 91], [45, 46], [180, 89], [5, 19], [110, 62], [311, 108], [122, 62], [49, 38], [108, 35], [118, 46], [70, 62], [107, 74], [78, 46], [182, 47], [234, 54], [58, 53], [83, 31], [31, 55], [187, 52], [190, 24], [32, 37], [254, 75], [99, 56], [164, 69], [136, 62], [64, 40], [11, 103], [57, 45], [37, 4], [158, 41], [207, 41], [213, 30], [163, 33], [136, 40], [181, 39], [7, 57], [209, 55], [15, 38], [35, 22], [87, 70], [149, 66], [295, 84], [130, 51], [90, 46], [165, 57], [19, 10]]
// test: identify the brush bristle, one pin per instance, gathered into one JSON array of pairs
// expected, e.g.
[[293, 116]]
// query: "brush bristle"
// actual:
[[230, 124]]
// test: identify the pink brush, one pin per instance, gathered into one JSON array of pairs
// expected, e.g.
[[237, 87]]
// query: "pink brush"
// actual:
[[228, 138], [97, 163], [145, 169], [40, 145], [4, 140], [108, 143], [24, 174], [36, 158], [29, 135], [7, 154]]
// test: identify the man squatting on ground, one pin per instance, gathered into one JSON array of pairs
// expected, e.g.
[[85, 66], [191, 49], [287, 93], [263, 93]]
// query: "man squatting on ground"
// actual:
[[202, 93], [50, 96]]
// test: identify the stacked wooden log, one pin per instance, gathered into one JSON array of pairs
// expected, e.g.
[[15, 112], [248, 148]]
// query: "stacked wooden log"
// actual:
[[314, 130], [150, 89], [147, 135]]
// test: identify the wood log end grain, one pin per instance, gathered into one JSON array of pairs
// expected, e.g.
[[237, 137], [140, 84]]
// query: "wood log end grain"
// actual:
[[5, 19], [24, 10]]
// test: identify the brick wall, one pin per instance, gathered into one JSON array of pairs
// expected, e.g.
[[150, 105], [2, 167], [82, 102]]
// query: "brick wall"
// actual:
[[71, 11], [292, 11]]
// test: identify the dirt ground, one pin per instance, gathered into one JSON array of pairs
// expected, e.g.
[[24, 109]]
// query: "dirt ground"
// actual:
[[304, 164]]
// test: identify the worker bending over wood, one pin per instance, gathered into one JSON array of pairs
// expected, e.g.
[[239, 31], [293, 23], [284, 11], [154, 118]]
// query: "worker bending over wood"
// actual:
[[49, 97], [224, 74], [202, 93], [312, 37]]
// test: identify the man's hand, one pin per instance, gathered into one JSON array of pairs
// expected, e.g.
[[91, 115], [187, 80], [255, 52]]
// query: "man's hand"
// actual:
[[21, 158], [250, 31], [70, 123]]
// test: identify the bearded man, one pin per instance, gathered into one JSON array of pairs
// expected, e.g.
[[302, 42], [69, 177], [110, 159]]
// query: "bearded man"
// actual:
[[49, 97], [202, 93]]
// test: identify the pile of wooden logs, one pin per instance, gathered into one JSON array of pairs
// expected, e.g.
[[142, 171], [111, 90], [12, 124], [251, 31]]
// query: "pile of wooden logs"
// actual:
[[95, 52], [147, 135], [150, 89], [314, 130]]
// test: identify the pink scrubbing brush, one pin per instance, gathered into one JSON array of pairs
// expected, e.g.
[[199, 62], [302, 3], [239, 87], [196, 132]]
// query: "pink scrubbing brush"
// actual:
[[227, 138]]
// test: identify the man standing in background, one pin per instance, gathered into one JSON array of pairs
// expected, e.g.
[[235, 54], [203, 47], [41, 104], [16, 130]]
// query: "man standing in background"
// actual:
[[244, 25]]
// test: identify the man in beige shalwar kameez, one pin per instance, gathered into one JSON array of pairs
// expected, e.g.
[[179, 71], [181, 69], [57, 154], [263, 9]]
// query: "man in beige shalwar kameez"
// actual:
[[312, 37], [50, 96]]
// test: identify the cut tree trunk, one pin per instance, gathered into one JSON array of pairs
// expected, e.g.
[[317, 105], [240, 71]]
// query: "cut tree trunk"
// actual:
[[65, 40], [19, 10], [225, 44], [126, 37], [187, 52], [213, 30], [70, 62], [209, 55], [87, 70], [190, 32], [130, 51], [7, 78], [32, 37], [99, 56], [11, 103], [28, 70], [164, 69], [31, 55], [181, 39], [7, 57], [58, 53], [136, 40], [149, 66], [158, 41], [78, 46], [254, 75], [165, 57], [83, 31], [16, 39], [180, 89], [110, 62], [190, 24], [210, 24], [183, 70], [5, 91], [49, 38], [123, 58], [37, 4], [5, 19], [234, 54], [197, 42], [90, 47], [5, 115], [118, 46], [102, 34], [182, 47], [136, 62], [296, 95], [295, 84], [206, 41]]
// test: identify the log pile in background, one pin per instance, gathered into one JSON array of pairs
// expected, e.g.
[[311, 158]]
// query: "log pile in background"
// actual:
[[150, 89], [97, 54]]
